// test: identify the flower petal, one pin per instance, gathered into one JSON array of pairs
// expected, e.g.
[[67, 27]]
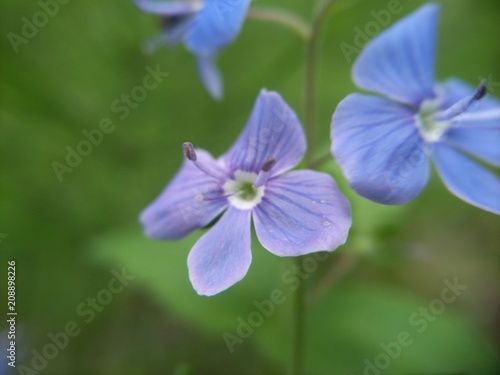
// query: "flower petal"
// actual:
[[217, 24], [222, 256], [467, 179], [477, 131], [191, 201], [273, 130], [302, 212], [378, 146], [210, 75], [483, 143], [399, 62], [169, 7]]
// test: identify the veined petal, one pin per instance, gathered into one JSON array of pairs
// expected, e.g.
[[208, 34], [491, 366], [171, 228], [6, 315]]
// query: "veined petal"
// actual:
[[379, 148], [399, 62], [273, 130], [210, 75], [302, 212], [191, 201], [467, 179], [476, 131], [222, 256], [483, 143], [217, 24], [169, 7]]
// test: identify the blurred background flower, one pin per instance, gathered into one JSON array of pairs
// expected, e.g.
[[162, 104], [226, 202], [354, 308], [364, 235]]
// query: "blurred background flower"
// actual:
[[205, 27]]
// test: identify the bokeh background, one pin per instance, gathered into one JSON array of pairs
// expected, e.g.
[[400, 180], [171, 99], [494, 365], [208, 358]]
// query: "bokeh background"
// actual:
[[68, 236]]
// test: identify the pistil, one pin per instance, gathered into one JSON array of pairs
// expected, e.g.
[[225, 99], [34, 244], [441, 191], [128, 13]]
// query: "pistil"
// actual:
[[190, 154]]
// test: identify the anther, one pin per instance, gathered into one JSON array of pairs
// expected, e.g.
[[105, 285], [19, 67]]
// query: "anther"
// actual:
[[263, 175], [481, 91], [266, 167], [210, 169], [189, 152], [464, 104]]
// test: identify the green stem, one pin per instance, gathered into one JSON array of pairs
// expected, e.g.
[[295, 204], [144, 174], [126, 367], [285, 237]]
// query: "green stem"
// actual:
[[320, 160], [299, 325], [310, 79], [283, 17], [313, 44], [344, 264]]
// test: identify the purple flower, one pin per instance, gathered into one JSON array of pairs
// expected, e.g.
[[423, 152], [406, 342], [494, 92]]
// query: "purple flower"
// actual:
[[205, 27], [384, 144], [294, 213]]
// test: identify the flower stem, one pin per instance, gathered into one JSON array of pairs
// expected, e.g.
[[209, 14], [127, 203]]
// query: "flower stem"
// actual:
[[283, 17], [310, 79], [321, 160], [313, 44], [299, 325]]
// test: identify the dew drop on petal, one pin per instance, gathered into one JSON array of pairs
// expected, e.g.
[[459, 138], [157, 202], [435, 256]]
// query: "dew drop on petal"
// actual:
[[326, 223]]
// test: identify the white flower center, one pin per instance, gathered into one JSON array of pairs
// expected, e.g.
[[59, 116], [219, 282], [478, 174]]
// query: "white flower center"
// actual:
[[241, 191], [430, 129]]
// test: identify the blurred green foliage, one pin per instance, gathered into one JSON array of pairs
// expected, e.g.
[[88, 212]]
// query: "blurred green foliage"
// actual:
[[67, 237]]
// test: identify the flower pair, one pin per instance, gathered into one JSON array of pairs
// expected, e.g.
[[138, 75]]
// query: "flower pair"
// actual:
[[383, 144]]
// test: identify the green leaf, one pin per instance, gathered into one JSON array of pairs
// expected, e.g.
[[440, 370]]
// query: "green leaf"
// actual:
[[348, 330], [161, 269]]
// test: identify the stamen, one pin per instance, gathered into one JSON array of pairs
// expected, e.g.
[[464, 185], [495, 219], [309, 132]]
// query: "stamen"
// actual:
[[463, 105], [264, 172], [487, 115], [210, 170], [189, 152]]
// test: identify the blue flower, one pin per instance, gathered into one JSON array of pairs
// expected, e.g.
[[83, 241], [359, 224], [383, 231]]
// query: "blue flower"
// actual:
[[205, 27], [294, 212], [384, 144]]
